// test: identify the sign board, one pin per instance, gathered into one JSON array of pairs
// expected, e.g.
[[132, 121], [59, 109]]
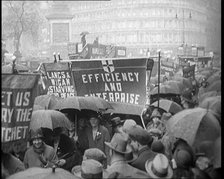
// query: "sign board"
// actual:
[[180, 51], [194, 51], [201, 51], [59, 79], [18, 94], [72, 48], [120, 52], [189, 72], [93, 51], [167, 67], [116, 80]]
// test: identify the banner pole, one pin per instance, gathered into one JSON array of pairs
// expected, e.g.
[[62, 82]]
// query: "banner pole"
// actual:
[[158, 78]]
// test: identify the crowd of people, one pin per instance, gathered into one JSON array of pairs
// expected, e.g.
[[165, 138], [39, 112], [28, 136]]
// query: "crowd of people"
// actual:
[[119, 148]]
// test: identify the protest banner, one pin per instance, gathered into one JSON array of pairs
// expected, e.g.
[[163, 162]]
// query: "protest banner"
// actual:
[[167, 68], [116, 80], [59, 79], [18, 94], [189, 72]]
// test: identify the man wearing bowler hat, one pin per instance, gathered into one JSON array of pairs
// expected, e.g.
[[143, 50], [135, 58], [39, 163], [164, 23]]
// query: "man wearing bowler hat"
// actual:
[[118, 150], [117, 125], [141, 139]]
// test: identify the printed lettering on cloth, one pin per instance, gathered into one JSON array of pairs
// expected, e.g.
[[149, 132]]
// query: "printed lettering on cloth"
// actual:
[[59, 79], [18, 94], [116, 80], [167, 68], [189, 72]]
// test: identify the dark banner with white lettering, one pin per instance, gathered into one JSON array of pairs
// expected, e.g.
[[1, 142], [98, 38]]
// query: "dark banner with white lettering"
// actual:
[[18, 94], [117, 80], [189, 72], [59, 79], [167, 68]]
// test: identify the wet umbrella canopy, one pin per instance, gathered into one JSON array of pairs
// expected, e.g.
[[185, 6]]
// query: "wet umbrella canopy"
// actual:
[[168, 106], [84, 33], [185, 81], [213, 78], [43, 173], [194, 125], [208, 94], [215, 86], [47, 101], [166, 89], [50, 119], [125, 108], [80, 102], [213, 103], [176, 84], [217, 154], [199, 77]]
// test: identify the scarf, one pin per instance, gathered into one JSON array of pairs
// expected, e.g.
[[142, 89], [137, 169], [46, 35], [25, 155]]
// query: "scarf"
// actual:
[[39, 150]]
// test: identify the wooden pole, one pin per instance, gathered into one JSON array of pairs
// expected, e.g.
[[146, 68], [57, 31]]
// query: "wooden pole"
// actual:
[[158, 78]]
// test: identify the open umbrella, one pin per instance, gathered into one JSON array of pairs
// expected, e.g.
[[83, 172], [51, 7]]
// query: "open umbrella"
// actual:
[[125, 108], [168, 105], [194, 126], [100, 103], [215, 86], [81, 102], [217, 154], [50, 119], [205, 69], [213, 78], [206, 73], [154, 79], [46, 101], [84, 33], [205, 95], [213, 103], [43, 173], [177, 84], [199, 77], [165, 89], [185, 81]]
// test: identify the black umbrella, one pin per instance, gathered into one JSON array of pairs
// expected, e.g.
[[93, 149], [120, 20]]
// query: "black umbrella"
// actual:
[[84, 33]]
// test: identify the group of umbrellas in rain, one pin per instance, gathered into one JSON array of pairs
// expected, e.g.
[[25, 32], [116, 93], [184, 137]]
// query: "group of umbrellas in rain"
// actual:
[[184, 123], [202, 123], [177, 84]]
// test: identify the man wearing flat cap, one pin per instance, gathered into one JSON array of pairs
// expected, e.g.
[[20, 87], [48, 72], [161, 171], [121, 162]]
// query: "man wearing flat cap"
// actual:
[[118, 150], [90, 168], [141, 139]]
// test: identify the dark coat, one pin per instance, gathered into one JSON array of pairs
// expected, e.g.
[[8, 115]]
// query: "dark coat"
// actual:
[[103, 136], [67, 150], [32, 159], [83, 142], [143, 155], [11, 164], [126, 170]]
